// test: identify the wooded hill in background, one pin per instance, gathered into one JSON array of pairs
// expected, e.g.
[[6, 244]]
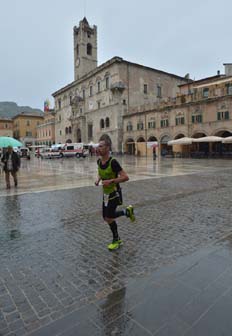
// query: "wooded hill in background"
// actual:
[[11, 109]]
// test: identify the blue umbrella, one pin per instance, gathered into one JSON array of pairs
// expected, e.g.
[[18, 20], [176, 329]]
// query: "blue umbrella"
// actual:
[[8, 141]]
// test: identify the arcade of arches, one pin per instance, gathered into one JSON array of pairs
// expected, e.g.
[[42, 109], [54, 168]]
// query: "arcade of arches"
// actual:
[[140, 147]]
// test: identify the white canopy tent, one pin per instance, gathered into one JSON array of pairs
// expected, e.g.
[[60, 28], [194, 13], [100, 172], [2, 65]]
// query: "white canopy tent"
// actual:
[[181, 141], [227, 140], [210, 138]]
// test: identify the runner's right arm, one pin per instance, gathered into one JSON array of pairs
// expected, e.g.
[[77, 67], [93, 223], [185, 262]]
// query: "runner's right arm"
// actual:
[[97, 181]]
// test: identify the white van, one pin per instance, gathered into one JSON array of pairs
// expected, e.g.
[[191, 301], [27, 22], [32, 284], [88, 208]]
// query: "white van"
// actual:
[[23, 152], [73, 149]]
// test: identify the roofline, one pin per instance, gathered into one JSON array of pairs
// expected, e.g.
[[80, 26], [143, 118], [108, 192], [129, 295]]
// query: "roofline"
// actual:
[[5, 118], [89, 74], [203, 79], [27, 115], [156, 70], [115, 59], [225, 79]]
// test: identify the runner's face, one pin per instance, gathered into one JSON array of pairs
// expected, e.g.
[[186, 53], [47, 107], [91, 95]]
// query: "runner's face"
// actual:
[[102, 148]]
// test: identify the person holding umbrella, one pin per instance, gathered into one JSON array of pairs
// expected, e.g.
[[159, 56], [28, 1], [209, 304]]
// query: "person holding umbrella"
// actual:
[[11, 163]]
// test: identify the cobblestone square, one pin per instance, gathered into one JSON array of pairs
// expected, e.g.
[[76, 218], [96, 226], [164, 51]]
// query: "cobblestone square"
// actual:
[[53, 243]]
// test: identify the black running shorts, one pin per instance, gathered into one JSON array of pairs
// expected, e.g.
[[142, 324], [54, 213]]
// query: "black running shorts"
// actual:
[[109, 205]]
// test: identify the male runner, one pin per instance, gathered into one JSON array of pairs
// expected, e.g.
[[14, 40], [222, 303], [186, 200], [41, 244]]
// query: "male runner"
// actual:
[[111, 174]]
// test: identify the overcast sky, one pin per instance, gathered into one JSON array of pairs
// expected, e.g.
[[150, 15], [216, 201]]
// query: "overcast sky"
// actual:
[[177, 36]]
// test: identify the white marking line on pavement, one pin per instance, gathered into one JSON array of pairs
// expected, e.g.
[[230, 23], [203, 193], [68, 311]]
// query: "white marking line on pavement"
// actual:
[[133, 178], [72, 171]]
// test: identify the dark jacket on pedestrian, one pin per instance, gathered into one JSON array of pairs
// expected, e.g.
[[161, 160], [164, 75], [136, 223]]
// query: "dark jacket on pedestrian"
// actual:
[[15, 161]]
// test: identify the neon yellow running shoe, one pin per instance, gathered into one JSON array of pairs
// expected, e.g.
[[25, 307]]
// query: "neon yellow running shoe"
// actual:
[[115, 244], [130, 213]]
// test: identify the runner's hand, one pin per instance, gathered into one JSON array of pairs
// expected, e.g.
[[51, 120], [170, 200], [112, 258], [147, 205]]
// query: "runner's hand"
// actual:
[[107, 182]]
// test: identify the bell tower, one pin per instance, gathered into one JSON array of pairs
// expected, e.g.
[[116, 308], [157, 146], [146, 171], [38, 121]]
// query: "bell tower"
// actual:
[[85, 48]]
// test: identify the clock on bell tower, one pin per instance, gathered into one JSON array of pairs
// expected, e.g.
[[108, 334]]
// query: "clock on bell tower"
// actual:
[[85, 48]]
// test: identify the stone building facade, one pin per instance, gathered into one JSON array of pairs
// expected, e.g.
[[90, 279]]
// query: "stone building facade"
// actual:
[[201, 108], [46, 129], [6, 127], [101, 96], [25, 127]]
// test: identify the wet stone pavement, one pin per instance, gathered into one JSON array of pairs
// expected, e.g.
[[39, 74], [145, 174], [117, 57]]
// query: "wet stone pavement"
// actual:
[[172, 276]]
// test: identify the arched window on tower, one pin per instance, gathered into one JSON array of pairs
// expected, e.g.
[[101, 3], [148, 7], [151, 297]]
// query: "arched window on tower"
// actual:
[[89, 49], [102, 123], [70, 129], [66, 130], [107, 122]]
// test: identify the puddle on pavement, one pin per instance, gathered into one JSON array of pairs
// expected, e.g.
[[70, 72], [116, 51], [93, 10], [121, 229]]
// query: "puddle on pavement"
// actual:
[[14, 234], [8, 235]]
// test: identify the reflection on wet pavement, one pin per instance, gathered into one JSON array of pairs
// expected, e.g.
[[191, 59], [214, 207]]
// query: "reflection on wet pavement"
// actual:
[[45, 175], [11, 218], [57, 276]]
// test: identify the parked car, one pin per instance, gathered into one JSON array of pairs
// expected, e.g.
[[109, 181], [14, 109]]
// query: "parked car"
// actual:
[[50, 154]]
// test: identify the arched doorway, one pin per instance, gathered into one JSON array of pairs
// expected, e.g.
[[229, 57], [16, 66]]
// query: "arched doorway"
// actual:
[[78, 133], [141, 139], [223, 133], [179, 136], [198, 135], [68, 141], [181, 150], [152, 138], [130, 146], [220, 148], [141, 147], [152, 147], [201, 148], [165, 149]]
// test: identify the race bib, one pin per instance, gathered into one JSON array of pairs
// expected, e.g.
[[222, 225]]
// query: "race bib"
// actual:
[[105, 199]]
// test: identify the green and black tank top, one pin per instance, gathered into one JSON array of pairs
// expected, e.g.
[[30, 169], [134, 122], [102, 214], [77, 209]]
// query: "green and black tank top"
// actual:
[[109, 171]]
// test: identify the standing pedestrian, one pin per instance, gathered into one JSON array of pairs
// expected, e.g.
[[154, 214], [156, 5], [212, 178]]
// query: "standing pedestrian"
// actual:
[[11, 163], [111, 174], [154, 152]]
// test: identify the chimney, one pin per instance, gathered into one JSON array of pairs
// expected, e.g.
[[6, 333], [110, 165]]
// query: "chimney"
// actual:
[[218, 72], [228, 69]]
